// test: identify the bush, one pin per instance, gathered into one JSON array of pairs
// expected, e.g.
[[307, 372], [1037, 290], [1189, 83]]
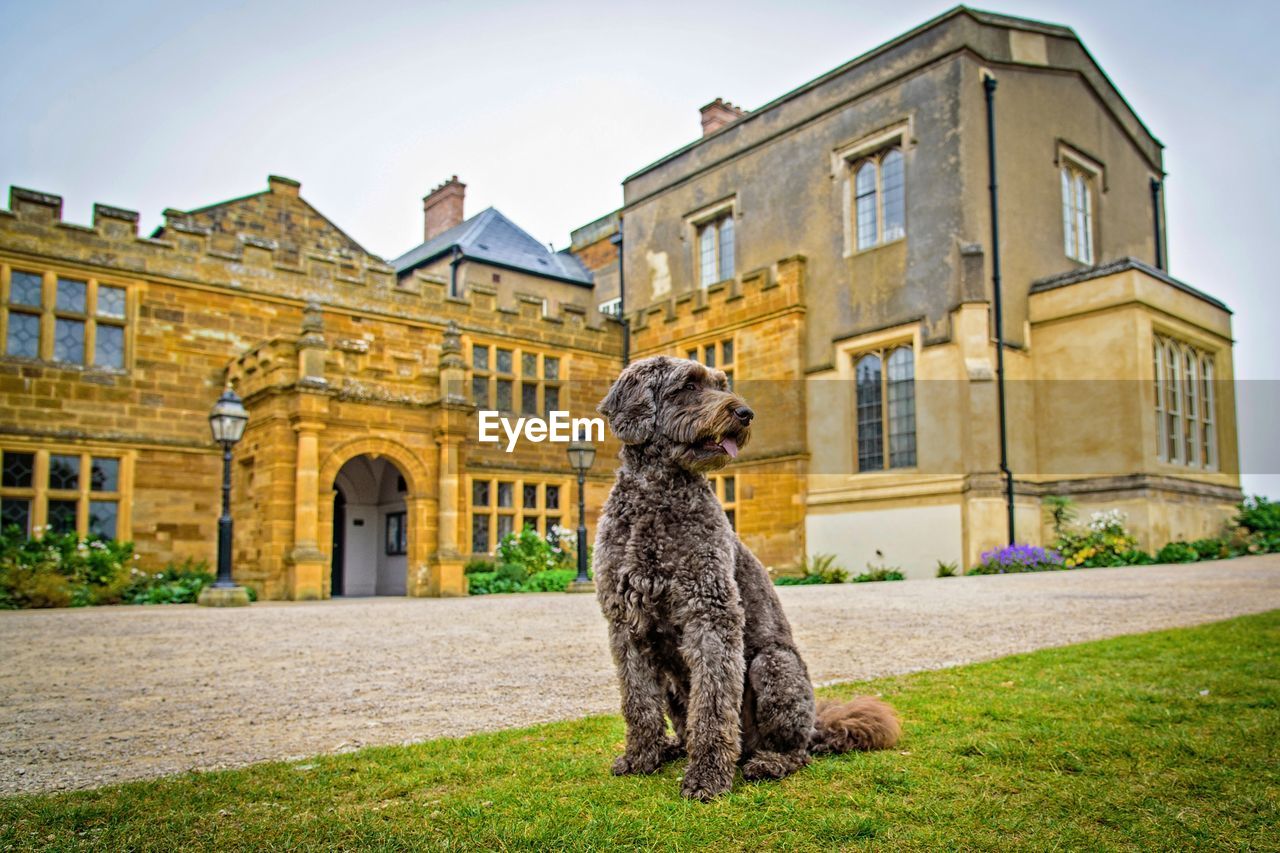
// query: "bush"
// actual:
[[802, 580], [1015, 559], [491, 583], [179, 583], [879, 573], [1105, 542], [1214, 549], [1061, 512], [948, 570], [1177, 552], [552, 580], [820, 568], [479, 565], [1259, 519], [61, 570]]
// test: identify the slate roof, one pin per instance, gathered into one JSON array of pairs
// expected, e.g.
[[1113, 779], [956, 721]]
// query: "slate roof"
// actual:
[[1117, 266], [491, 238]]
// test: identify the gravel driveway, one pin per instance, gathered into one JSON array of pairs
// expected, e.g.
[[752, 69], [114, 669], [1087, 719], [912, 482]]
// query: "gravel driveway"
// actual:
[[93, 696]]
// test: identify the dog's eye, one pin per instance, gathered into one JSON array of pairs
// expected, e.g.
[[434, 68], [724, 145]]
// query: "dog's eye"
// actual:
[[690, 386]]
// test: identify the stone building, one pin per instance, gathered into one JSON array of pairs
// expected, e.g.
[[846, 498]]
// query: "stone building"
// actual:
[[831, 251], [873, 179]]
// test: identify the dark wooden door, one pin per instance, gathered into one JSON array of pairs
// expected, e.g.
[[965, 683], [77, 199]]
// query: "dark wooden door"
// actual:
[[339, 542]]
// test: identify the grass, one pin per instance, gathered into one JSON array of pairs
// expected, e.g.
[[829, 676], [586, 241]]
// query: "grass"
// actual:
[[1156, 741]]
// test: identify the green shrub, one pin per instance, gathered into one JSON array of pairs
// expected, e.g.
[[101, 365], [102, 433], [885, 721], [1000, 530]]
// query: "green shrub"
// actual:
[[803, 580], [1213, 549], [61, 570], [549, 580], [1259, 519], [824, 568], [1177, 552], [479, 565], [179, 583], [1104, 542], [1061, 512], [529, 551], [948, 570], [879, 573], [552, 580]]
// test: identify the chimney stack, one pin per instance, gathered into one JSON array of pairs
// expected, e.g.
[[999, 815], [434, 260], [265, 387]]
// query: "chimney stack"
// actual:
[[717, 114], [442, 207]]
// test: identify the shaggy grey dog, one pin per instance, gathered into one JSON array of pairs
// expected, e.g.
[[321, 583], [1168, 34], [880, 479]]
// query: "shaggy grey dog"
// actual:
[[695, 627]]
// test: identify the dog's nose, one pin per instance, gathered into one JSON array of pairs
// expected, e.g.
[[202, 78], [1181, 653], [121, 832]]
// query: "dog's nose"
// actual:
[[744, 414]]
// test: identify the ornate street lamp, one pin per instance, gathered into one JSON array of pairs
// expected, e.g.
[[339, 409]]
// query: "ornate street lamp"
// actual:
[[227, 422], [581, 455]]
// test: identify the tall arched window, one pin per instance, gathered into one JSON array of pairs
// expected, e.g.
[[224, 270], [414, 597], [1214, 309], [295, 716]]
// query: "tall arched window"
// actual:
[[865, 188], [1077, 213], [879, 187], [886, 409], [1184, 402], [870, 413]]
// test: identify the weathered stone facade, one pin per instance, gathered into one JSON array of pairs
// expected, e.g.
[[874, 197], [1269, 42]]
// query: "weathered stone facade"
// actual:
[[854, 314]]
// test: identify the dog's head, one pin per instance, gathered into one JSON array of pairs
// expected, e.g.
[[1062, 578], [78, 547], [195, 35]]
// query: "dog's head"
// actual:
[[680, 409]]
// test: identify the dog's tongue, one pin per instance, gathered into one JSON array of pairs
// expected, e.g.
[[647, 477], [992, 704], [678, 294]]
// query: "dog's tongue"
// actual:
[[731, 447]]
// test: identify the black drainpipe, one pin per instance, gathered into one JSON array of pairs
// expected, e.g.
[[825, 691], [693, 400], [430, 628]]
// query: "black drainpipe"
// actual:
[[453, 270], [622, 298], [989, 84], [1155, 221]]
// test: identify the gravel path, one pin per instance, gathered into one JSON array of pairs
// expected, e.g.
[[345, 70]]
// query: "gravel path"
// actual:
[[93, 696]]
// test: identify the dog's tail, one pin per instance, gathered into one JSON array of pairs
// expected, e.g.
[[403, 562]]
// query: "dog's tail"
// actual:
[[863, 723]]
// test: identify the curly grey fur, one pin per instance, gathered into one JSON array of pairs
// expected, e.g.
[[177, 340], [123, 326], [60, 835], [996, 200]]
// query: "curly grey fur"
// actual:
[[696, 630]]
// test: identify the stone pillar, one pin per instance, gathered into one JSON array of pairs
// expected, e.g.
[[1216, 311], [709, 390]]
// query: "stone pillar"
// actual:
[[453, 372], [312, 349], [307, 562], [448, 578]]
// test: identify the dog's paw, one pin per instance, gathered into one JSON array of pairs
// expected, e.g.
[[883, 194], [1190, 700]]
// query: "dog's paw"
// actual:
[[636, 765], [705, 787], [672, 749], [772, 765]]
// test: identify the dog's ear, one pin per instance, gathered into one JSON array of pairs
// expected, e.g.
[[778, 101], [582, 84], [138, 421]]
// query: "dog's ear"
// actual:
[[630, 405]]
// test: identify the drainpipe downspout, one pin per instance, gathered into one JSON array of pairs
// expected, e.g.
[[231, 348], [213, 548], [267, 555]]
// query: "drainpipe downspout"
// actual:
[[453, 270], [1155, 222], [616, 239], [989, 85]]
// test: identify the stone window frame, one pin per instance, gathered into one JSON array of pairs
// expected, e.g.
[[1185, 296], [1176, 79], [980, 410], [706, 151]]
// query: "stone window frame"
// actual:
[[40, 492], [548, 389], [541, 515], [847, 157], [695, 223], [885, 341], [49, 313], [712, 352], [1185, 401], [1079, 172], [727, 490]]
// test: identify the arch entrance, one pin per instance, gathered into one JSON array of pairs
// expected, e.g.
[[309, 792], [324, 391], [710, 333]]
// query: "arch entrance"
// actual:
[[370, 528]]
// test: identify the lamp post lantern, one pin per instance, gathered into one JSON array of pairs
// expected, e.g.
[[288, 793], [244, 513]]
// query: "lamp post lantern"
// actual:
[[581, 455], [227, 421]]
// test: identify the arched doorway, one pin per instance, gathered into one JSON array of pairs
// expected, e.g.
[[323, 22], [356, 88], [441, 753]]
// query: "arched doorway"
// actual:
[[370, 528]]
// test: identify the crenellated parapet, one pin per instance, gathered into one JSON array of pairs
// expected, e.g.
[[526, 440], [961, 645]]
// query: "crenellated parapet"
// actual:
[[189, 251], [773, 291]]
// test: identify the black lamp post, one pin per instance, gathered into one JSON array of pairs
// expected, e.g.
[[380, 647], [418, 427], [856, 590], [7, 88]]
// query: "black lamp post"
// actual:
[[581, 455], [227, 421]]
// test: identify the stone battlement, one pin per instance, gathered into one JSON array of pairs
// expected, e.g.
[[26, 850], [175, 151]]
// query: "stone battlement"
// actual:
[[187, 251], [749, 297]]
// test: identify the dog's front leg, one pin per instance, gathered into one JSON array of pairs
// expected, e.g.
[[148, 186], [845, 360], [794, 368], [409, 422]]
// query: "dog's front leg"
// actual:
[[712, 650], [642, 705]]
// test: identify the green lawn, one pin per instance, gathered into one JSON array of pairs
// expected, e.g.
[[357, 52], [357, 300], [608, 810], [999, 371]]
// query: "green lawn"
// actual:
[[1165, 740]]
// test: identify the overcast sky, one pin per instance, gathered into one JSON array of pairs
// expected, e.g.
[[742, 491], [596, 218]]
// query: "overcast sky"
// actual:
[[542, 109]]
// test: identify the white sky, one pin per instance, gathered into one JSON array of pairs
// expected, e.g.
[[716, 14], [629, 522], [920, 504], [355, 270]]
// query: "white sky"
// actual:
[[543, 108]]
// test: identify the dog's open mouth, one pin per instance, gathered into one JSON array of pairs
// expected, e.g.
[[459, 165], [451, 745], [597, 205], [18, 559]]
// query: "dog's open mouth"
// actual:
[[726, 444]]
